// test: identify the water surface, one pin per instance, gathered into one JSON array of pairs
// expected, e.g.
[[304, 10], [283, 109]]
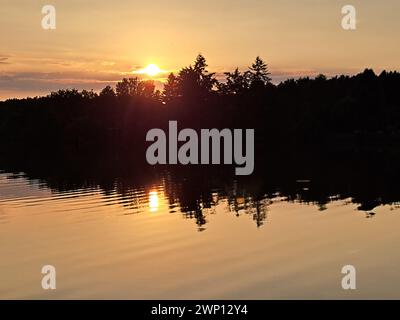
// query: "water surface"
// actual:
[[162, 241]]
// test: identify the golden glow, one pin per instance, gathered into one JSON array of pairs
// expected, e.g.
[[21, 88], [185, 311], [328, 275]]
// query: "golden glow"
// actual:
[[153, 201], [146, 39], [151, 70]]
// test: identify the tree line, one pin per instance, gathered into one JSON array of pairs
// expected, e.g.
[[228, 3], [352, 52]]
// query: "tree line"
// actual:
[[190, 82], [362, 110]]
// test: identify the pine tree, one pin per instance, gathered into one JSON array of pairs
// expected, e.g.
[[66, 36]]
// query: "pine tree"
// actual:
[[171, 89], [258, 72], [235, 83], [195, 81]]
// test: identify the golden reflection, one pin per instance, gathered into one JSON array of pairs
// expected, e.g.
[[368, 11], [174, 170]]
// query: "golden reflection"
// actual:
[[153, 201]]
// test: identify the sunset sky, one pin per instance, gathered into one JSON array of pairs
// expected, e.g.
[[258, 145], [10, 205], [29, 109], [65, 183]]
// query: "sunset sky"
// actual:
[[97, 42]]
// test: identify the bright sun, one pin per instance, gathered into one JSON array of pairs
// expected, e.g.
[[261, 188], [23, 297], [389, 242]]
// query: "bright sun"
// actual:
[[152, 70]]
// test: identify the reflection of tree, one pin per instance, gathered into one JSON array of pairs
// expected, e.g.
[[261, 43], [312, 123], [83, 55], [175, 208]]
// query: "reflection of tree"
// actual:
[[3, 215], [195, 192], [240, 201], [259, 210]]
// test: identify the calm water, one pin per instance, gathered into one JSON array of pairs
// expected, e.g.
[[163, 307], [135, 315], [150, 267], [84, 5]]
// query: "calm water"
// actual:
[[151, 242]]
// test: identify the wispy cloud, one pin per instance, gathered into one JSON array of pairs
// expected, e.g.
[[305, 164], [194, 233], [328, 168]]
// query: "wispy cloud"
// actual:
[[15, 84], [4, 59]]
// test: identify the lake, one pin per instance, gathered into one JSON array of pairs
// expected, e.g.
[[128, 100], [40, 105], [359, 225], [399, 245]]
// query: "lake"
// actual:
[[168, 235]]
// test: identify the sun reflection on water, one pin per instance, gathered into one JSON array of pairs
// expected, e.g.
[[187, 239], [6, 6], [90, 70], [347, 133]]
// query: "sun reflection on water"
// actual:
[[153, 201]]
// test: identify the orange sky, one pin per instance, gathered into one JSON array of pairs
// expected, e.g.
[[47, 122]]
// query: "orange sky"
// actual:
[[98, 42]]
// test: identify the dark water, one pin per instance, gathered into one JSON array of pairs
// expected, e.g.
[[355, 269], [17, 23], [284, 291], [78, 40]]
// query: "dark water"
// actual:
[[117, 229]]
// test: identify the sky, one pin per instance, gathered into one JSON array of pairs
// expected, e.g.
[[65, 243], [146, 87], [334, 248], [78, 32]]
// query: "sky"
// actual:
[[98, 42]]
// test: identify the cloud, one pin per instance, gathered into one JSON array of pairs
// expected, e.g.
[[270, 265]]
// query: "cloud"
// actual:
[[3, 60], [19, 84], [108, 63], [23, 84]]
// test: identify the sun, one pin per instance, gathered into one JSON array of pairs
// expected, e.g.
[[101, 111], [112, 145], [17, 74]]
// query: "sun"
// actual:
[[152, 70]]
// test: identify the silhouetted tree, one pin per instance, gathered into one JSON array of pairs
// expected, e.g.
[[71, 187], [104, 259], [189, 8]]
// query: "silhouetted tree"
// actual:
[[89, 94], [108, 91], [134, 87], [65, 94], [146, 89], [236, 83], [195, 81], [124, 87], [128, 87], [321, 77], [258, 72], [206, 79], [171, 88]]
